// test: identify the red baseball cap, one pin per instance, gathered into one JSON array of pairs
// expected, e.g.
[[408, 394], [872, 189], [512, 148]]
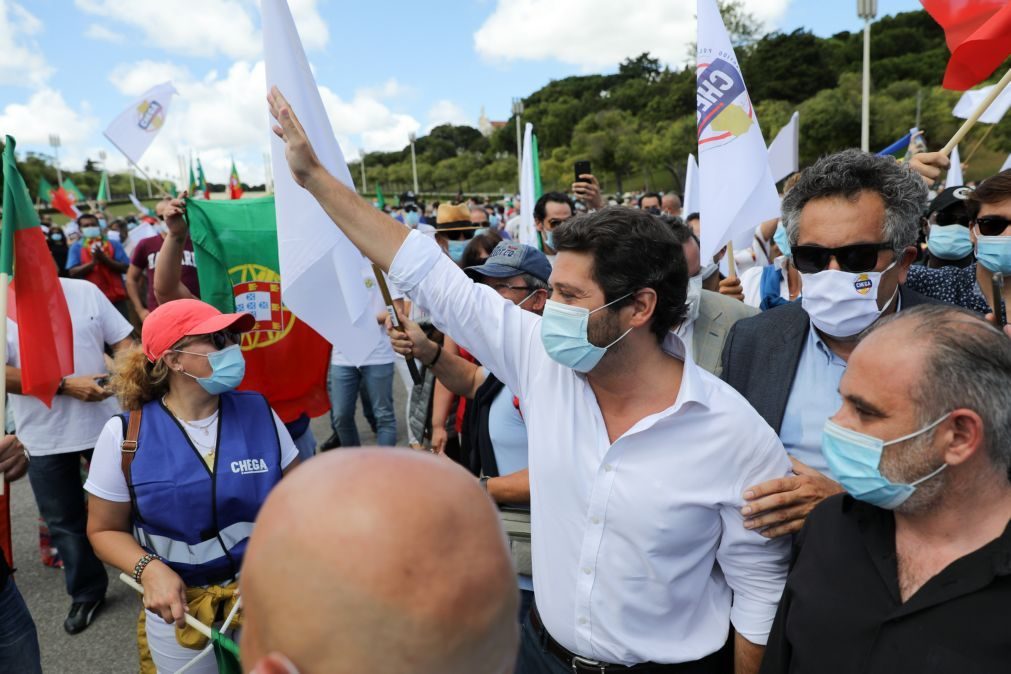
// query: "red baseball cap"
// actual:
[[174, 320]]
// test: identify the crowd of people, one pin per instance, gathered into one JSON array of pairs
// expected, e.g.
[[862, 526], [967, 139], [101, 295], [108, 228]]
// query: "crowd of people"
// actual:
[[636, 461]]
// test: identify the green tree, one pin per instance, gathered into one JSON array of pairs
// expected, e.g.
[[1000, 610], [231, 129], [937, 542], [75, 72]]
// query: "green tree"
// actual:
[[610, 139]]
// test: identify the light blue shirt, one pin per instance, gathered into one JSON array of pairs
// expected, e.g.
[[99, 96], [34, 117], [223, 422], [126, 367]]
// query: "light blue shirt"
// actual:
[[813, 399]]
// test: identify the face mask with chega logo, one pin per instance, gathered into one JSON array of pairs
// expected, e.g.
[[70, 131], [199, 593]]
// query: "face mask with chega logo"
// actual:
[[841, 303]]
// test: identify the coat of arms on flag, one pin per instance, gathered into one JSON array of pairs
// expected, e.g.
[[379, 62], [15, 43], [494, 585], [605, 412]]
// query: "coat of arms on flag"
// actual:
[[263, 300]]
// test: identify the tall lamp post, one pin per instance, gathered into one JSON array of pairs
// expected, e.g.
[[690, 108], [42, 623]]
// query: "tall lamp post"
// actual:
[[54, 142], [414, 161], [361, 154], [866, 10], [518, 113]]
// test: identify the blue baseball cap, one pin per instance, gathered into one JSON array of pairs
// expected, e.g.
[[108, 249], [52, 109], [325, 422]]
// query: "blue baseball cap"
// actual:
[[512, 259]]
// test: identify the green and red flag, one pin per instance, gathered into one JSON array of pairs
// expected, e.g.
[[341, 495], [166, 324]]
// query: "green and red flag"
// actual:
[[234, 184], [235, 243], [39, 307], [45, 193], [103, 188], [201, 181], [71, 188], [65, 202], [192, 187], [380, 199]]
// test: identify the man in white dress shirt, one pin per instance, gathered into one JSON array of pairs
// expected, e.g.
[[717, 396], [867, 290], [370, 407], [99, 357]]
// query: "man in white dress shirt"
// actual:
[[638, 458]]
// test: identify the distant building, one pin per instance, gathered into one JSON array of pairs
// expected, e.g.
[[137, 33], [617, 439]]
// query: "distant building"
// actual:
[[486, 126]]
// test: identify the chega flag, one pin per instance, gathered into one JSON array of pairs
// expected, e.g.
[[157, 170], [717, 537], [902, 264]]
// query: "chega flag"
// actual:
[[45, 335], [784, 150], [320, 268], [971, 99], [528, 190], [978, 33], [236, 249], [133, 131], [234, 184], [735, 183], [954, 177]]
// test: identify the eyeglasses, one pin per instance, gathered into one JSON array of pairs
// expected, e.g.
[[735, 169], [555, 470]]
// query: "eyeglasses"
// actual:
[[992, 225], [499, 287], [410, 209], [859, 257]]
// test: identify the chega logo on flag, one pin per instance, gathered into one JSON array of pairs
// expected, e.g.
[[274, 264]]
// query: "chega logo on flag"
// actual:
[[150, 115], [724, 108], [863, 284]]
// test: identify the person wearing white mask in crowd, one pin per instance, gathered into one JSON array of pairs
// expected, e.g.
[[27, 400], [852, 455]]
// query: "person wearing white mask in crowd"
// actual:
[[776, 283], [852, 221], [710, 315]]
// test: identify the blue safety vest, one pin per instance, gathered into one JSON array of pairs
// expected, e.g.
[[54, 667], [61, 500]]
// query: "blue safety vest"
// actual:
[[196, 520]]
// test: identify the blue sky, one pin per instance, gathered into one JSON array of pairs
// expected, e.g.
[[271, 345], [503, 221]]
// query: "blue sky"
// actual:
[[385, 67]]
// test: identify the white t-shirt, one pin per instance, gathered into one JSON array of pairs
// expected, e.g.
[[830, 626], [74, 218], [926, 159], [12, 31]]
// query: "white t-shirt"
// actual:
[[106, 479], [382, 354], [71, 425]]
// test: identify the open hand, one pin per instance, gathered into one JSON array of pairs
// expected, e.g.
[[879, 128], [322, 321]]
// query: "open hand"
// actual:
[[298, 151], [778, 507], [13, 462], [930, 165], [588, 191]]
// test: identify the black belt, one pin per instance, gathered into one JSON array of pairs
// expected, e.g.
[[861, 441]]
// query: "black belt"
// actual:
[[716, 663]]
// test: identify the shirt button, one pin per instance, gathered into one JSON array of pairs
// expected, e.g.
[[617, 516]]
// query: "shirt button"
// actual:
[[595, 520], [587, 570], [608, 468], [583, 621]]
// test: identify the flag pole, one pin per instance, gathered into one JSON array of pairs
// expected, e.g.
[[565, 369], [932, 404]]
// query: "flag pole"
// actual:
[[978, 143], [392, 311], [980, 109], [731, 263]]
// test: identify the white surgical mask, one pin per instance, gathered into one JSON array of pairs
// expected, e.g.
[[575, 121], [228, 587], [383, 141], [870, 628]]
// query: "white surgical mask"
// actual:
[[694, 298], [708, 271], [842, 303]]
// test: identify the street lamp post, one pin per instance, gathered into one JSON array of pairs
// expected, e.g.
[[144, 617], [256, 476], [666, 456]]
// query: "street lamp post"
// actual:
[[133, 187], [54, 141], [147, 170], [414, 162], [361, 154], [866, 10], [518, 113]]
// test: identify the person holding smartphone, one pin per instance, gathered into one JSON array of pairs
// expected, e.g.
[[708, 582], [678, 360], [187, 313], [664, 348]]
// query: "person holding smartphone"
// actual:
[[586, 188]]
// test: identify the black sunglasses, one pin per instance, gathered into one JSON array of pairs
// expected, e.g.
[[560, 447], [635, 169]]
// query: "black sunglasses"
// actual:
[[945, 219], [410, 209], [224, 338], [992, 225], [860, 257]]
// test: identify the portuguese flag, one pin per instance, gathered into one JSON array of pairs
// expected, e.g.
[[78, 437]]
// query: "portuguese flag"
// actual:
[[45, 191], [235, 243], [71, 188], [234, 184], [201, 182], [40, 308], [192, 187]]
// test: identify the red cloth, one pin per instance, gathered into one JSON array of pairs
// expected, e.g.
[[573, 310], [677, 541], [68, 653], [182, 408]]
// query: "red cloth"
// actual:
[[978, 33], [461, 405], [108, 281], [64, 201]]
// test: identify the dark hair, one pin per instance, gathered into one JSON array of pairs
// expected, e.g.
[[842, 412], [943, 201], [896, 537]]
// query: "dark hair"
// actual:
[[692, 216], [631, 250], [541, 207], [83, 216], [481, 243], [659, 199], [682, 232], [993, 190]]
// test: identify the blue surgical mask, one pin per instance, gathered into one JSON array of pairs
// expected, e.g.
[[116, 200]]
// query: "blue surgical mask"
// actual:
[[456, 249], [228, 367], [130, 226], [994, 252], [782, 240], [854, 460], [949, 242], [549, 240], [91, 232], [494, 220], [412, 218], [56, 237], [565, 338], [480, 230]]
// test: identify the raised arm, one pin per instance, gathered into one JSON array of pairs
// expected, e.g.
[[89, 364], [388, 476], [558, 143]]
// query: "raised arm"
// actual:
[[168, 270]]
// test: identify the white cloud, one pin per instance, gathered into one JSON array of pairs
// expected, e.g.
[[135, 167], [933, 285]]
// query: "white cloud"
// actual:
[[21, 59], [206, 27], [135, 78], [446, 112], [44, 113], [597, 33], [99, 32]]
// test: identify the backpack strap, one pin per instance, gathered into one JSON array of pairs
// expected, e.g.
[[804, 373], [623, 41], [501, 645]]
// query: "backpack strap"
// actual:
[[129, 445]]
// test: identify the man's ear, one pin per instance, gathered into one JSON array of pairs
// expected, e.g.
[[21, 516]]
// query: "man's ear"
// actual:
[[274, 663]]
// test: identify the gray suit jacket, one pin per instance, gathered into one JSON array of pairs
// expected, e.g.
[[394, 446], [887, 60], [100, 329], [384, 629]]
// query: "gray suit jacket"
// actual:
[[761, 355], [717, 314]]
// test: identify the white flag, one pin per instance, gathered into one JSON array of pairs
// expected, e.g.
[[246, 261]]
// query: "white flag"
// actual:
[[136, 127], [138, 205], [784, 150], [954, 178], [971, 99], [528, 195], [321, 279], [691, 203], [1007, 164], [735, 182]]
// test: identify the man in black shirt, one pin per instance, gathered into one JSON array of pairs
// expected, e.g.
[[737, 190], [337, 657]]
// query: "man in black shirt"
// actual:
[[911, 570]]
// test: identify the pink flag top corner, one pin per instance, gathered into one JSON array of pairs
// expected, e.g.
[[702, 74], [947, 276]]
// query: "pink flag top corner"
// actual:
[[321, 280], [736, 189]]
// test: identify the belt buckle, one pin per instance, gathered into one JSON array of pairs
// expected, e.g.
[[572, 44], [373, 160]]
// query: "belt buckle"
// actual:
[[578, 661]]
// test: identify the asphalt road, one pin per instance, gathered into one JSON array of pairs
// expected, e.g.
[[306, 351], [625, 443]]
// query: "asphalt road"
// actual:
[[109, 645]]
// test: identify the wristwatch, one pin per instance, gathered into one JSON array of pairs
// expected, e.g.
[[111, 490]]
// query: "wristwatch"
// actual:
[[484, 482]]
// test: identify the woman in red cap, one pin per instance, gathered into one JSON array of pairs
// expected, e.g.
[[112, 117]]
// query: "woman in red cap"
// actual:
[[178, 480]]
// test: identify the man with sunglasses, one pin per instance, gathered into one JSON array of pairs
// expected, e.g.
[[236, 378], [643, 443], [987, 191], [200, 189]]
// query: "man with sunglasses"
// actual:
[[988, 214], [551, 210], [949, 242], [852, 222]]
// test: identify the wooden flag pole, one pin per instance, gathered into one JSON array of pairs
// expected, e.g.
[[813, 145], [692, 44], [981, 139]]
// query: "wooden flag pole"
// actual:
[[190, 620], [731, 262], [978, 143], [980, 109], [392, 311]]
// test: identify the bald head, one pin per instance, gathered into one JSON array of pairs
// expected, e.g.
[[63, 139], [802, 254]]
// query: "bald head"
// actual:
[[382, 561]]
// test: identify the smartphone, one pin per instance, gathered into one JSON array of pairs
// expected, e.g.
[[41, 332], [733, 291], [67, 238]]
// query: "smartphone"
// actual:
[[102, 381], [999, 310], [582, 167]]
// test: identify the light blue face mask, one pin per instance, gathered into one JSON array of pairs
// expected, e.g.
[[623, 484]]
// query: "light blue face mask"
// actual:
[[549, 240], [994, 252], [854, 458], [91, 232], [494, 220], [949, 242], [565, 338], [228, 367], [456, 249], [480, 230], [412, 218], [782, 240]]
